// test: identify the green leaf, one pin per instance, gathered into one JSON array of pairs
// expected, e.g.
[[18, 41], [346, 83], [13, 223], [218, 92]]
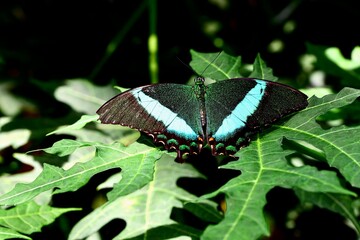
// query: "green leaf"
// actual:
[[66, 147], [85, 119], [145, 194], [341, 150], [263, 166], [108, 134], [6, 233], [217, 66], [143, 210], [82, 96], [30, 217], [262, 71], [137, 162]]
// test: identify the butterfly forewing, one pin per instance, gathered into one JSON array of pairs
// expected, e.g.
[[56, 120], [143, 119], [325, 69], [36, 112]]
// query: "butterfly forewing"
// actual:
[[237, 108], [167, 112]]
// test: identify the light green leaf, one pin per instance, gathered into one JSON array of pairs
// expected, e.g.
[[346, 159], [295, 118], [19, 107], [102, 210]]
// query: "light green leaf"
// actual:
[[6, 233], [136, 161], [66, 147], [334, 54], [217, 66], [108, 134], [4, 121], [85, 119], [15, 138], [30, 217], [82, 96], [143, 210]]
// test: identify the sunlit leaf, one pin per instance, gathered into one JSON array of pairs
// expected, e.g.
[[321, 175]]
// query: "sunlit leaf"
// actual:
[[15, 138], [7, 233], [137, 162], [83, 96], [30, 217], [85, 119], [143, 210]]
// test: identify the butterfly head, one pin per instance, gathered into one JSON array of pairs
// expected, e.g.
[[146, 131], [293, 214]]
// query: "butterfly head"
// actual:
[[199, 80]]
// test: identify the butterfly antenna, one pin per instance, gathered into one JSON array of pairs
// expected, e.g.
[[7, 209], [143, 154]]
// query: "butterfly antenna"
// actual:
[[186, 65], [210, 63], [200, 77]]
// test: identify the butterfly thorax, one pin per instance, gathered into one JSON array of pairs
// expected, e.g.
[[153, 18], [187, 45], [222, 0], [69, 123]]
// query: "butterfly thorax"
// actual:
[[200, 90]]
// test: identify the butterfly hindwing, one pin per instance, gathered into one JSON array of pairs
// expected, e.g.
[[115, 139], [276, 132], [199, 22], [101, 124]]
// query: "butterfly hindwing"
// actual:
[[237, 108], [167, 112]]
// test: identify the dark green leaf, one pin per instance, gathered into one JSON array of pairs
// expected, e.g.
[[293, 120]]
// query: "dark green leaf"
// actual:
[[262, 71], [263, 166], [342, 204]]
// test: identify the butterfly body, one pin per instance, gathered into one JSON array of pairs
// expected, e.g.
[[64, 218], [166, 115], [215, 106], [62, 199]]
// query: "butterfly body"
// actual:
[[186, 118]]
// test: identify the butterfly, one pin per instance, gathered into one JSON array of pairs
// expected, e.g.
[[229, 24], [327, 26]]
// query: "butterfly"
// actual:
[[186, 118]]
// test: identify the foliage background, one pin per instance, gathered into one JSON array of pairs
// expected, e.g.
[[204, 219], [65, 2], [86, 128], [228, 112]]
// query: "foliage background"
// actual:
[[44, 43]]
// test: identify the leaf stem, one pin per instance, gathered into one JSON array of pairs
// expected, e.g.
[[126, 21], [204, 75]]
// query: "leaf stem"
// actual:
[[153, 43]]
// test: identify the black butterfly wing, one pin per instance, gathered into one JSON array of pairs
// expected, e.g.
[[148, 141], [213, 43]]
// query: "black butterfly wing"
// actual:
[[237, 108], [167, 112]]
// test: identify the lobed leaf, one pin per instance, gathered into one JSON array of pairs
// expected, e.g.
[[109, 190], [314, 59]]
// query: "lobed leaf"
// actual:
[[146, 209], [137, 162], [339, 144], [263, 166]]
